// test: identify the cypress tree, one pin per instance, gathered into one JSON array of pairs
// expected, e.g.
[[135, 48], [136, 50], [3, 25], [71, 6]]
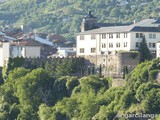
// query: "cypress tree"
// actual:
[[144, 50], [100, 71]]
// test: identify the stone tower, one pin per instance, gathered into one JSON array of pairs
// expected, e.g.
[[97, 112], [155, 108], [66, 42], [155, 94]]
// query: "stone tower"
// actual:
[[88, 22]]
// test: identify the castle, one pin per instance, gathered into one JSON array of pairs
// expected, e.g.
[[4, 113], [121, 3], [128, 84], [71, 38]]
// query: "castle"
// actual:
[[115, 47]]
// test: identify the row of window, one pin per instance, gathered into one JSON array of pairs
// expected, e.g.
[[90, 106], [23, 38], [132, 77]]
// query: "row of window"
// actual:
[[111, 35], [93, 36], [118, 45], [93, 50], [138, 35], [151, 35], [150, 45]]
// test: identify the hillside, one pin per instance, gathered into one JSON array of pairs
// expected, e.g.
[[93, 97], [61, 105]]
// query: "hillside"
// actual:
[[64, 16], [51, 93]]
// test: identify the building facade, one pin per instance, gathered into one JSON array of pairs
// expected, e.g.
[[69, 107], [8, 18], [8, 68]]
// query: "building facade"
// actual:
[[105, 40], [111, 46], [23, 48]]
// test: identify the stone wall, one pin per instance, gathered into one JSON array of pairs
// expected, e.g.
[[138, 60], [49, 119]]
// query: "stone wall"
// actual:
[[114, 63], [118, 82]]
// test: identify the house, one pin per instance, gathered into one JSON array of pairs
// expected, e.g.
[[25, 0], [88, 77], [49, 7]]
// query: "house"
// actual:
[[64, 52], [18, 48], [56, 39]]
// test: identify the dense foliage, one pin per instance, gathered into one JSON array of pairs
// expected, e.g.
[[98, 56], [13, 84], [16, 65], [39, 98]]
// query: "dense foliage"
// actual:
[[65, 16], [37, 93]]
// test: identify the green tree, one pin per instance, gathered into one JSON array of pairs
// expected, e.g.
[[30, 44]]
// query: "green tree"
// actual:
[[152, 102], [100, 71], [145, 52]]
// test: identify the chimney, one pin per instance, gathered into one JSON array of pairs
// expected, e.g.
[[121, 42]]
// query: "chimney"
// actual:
[[134, 22]]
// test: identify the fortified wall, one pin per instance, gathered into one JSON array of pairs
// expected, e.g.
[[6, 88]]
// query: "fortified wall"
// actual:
[[114, 63]]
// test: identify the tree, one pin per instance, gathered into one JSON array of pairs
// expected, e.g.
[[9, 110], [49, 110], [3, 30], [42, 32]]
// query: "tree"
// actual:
[[100, 71], [152, 101], [115, 12], [143, 49]]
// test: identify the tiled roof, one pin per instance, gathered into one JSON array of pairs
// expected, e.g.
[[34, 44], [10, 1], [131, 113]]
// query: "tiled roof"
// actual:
[[1, 33], [108, 30], [146, 29], [56, 38], [120, 29], [26, 43], [146, 22], [6, 38]]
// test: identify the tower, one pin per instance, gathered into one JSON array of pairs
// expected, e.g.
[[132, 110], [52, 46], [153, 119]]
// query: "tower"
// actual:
[[88, 22]]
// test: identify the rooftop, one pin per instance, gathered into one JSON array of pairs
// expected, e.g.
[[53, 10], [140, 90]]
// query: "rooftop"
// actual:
[[27, 42], [147, 25]]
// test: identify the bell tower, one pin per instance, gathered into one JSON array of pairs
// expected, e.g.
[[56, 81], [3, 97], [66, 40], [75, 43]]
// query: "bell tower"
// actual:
[[88, 22]]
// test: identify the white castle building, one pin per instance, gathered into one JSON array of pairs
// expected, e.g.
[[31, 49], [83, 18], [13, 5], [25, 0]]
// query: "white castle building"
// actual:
[[105, 40]]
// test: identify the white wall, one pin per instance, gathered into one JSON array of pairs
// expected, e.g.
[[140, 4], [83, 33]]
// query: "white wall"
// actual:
[[87, 44], [31, 51], [16, 51], [131, 40], [25, 51], [158, 50], [4, 53], [148, 40], [7, 51], [116, 40], [1, 56]]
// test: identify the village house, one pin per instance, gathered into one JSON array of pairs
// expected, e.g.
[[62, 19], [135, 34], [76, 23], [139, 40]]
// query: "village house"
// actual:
[[18, 48], [64, 52]]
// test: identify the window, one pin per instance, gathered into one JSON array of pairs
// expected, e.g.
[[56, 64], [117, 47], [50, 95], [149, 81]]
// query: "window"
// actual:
[[93, 37], [93, 50], [137, 44], [103, 45], [81, 50], [125, 35], [110, 35], [118, 45], [81, 37], [154, 45], [139, 35], [110, 45], [118, 35], [103, 36], [125, 44], [152, 35], [150, 45]]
